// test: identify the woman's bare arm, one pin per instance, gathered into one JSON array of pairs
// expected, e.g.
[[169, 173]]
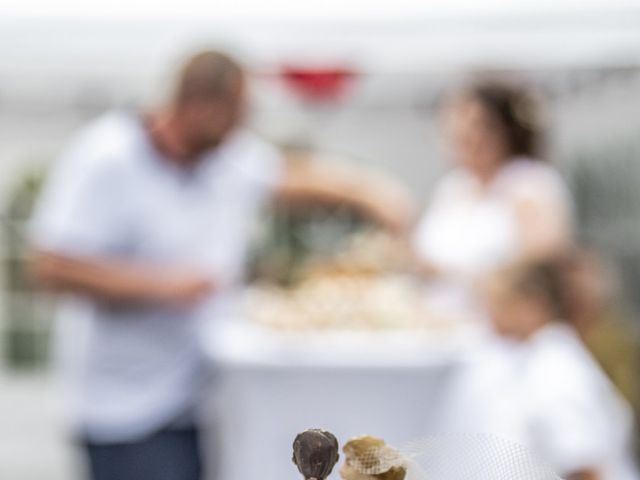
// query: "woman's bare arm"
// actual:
[[544, 229]]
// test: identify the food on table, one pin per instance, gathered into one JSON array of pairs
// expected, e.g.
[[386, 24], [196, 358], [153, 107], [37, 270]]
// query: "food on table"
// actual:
[[363, 288], [368, 253], [338, 302]]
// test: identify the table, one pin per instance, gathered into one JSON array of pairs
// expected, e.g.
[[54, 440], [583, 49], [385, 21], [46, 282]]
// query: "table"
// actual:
[[271, 385]]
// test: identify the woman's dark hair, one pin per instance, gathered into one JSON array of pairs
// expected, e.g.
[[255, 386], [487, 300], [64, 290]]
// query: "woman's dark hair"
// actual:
[[515, 110]]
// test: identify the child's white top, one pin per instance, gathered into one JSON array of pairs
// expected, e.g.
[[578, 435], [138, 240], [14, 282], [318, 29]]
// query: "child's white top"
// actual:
[[549, 394]]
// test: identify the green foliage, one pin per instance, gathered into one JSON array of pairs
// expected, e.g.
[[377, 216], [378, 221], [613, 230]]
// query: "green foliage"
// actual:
[[27, 330]]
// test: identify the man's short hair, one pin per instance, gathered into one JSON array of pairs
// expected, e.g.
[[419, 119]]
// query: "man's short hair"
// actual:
[[208, 75]]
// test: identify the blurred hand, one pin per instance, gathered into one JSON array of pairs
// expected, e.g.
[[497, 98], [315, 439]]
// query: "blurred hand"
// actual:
[[389, 206], [426, 269], [413, 262], [185, 288], [116, 280], [395, 216]]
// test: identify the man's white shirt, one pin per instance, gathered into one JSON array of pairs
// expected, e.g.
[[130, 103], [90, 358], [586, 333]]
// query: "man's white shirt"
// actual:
[[133, 368]]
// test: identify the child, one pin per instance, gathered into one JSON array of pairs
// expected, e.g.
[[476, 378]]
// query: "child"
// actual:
[[549, 394]]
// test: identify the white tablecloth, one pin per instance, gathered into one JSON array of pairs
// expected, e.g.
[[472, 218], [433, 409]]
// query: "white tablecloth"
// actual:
[[272, 385]]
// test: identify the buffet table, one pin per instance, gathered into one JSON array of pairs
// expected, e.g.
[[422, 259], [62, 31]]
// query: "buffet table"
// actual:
[[272, 384]]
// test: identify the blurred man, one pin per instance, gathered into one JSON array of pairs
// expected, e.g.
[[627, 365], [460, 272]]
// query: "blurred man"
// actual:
[[145, 221]]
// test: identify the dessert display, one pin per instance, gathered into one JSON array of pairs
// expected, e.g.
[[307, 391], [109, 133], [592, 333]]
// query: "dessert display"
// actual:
[[443, 457], [366, 287], [338, 302], [315, 453]]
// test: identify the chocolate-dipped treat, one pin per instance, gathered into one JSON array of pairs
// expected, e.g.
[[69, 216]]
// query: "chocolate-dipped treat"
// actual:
[[315, 452]]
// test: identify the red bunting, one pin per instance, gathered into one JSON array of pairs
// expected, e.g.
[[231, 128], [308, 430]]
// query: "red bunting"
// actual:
[[317, 84]]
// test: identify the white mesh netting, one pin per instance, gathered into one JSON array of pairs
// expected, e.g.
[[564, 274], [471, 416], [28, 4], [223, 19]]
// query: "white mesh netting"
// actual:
[[456, 457]]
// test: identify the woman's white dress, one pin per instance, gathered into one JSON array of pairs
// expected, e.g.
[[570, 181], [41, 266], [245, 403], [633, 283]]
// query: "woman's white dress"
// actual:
[[470, 229]]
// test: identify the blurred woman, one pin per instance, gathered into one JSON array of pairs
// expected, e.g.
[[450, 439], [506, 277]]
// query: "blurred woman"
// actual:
[[500, 202]]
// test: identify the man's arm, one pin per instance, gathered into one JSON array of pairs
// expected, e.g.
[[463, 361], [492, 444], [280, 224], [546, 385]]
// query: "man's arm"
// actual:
[[381, 199], [118, 280]]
